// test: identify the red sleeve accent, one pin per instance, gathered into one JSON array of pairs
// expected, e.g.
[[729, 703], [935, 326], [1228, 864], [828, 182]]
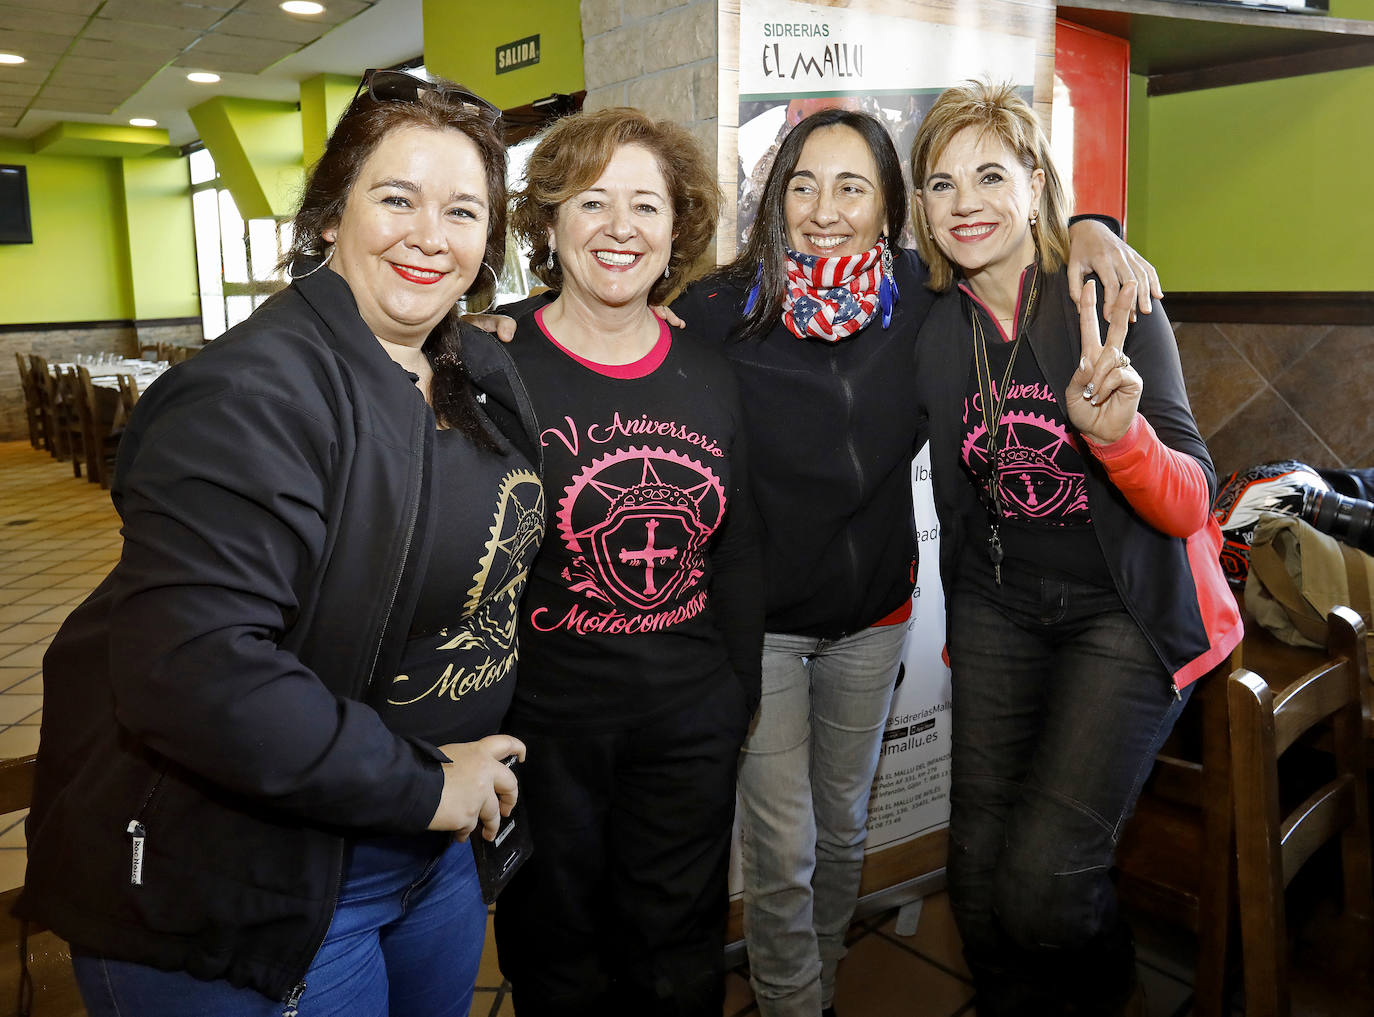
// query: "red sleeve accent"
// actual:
[[1167, 488]]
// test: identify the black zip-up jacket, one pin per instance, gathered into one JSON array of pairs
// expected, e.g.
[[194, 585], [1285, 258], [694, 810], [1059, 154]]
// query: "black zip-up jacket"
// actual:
[[832, 429], [205, 700]]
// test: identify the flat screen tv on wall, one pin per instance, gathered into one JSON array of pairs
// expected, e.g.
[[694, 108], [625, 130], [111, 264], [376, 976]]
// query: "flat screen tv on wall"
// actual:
[[15, 227]]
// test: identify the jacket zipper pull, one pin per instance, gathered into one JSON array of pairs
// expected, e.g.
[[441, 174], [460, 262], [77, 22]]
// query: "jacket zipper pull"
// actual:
[[1173, 687], [137, 834], [292, 1000]]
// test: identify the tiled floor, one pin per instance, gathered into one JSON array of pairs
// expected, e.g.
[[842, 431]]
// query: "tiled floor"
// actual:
[[58, 538]]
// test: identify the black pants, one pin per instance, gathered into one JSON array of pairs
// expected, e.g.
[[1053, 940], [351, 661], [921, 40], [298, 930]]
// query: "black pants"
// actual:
[[622, 907]]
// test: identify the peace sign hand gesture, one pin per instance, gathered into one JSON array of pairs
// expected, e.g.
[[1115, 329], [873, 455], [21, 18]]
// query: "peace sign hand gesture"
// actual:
[[1104, 392]]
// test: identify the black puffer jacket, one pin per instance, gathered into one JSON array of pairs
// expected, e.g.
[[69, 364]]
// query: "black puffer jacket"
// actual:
[[273, 491]]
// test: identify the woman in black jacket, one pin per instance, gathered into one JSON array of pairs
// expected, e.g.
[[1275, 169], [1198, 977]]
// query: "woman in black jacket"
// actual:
[[264, 729], [1077, 552]]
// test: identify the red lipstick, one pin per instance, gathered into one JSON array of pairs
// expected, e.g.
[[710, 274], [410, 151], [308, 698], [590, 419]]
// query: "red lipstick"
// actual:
[[418, 276]]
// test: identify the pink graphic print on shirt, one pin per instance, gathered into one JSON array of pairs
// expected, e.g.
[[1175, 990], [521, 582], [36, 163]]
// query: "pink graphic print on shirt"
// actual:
[[1039, 465], [636, 522]]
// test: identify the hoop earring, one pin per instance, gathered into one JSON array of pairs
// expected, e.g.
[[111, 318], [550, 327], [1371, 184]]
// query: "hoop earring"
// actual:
[[495, 283], [321, 265]]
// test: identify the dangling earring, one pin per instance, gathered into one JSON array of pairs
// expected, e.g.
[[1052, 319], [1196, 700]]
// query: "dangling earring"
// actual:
[[495, 284], [330, 254], [754, 290], [666, 271], [1035, 218], [552, 260], [887, 286]]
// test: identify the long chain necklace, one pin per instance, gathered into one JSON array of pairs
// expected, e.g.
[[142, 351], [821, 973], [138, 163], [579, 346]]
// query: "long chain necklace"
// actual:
[[992, 422]]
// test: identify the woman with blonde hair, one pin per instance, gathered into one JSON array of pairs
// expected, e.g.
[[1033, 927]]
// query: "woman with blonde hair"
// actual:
[[1077, 552]]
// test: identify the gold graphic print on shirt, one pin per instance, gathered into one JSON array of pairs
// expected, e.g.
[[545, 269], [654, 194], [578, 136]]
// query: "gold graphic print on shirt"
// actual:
[[479, 650]]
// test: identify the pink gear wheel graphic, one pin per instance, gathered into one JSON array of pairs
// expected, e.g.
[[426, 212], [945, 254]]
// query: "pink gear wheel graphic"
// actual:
[[642, 515], [1030, 446]]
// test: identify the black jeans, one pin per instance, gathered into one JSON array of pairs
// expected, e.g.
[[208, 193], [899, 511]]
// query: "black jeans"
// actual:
[[621, 909], [1059, 706]]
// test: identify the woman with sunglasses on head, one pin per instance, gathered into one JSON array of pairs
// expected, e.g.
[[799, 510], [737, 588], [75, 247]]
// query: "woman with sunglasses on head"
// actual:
[[1078, 554], [640, 631], [269, 732]]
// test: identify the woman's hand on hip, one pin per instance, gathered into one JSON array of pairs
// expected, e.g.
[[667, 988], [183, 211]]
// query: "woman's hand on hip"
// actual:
[[1104, 393], [478, 786]]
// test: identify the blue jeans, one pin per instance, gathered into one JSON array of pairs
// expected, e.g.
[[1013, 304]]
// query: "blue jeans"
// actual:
[[406, 937], [804, 782], [1059, 706]]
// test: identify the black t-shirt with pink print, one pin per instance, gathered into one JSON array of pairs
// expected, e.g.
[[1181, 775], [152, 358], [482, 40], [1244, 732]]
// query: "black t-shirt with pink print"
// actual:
[[1045, 515], [645, 591]]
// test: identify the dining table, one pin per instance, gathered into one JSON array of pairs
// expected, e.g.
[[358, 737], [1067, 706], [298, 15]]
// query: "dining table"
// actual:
[[110, 410]]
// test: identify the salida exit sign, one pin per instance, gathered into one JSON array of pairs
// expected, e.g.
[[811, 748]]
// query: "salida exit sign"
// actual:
[[517, 54]]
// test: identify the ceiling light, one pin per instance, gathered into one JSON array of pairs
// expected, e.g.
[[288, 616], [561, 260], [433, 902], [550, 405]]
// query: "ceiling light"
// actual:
[[202, 77], [142, 122], [302, 7], [11, 58]]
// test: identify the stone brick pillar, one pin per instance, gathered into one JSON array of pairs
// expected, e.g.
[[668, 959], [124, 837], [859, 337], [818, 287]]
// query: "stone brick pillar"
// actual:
[[658, 55]]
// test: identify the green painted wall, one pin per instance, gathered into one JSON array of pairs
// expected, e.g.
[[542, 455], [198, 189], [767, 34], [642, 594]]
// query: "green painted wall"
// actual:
[[161, 237], [1359, 9], [77, 268], [461, 41], [257, 147], [1257, 187], [323, 100], [103, 140]]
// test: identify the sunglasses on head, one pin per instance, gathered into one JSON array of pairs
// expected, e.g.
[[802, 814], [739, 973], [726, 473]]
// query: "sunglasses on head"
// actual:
[[398, 86]]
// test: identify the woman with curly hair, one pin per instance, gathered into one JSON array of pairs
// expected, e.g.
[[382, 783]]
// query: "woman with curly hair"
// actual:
[[642, 627]]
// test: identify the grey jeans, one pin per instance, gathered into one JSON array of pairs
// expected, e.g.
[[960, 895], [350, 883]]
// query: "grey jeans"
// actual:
[[804, 782]]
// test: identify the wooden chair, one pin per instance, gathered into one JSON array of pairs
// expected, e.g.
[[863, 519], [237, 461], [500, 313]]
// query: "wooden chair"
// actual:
[[45, 385], [35, 965], [68, 404], [1271, 848], [100, 441], [128, 393], [33, 407], [1176, 860]]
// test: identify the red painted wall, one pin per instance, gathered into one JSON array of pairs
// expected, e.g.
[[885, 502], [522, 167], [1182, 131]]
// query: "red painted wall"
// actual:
[[1092, 70]]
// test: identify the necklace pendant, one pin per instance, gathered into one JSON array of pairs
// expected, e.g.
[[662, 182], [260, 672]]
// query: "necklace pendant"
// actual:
[[995, 555]]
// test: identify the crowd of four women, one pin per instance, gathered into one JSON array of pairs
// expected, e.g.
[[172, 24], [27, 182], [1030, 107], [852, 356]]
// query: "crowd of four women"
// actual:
[[264, 730]]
